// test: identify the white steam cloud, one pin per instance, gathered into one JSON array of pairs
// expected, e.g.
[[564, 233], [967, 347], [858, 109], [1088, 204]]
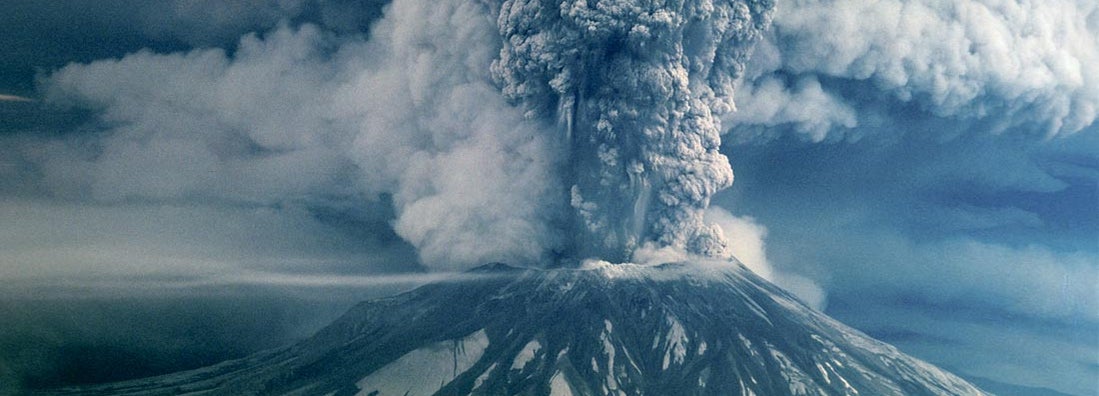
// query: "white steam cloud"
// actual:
[[472, 179], [747, 243], [637, 88], [1006, 63], [415, 114], [302, 117]]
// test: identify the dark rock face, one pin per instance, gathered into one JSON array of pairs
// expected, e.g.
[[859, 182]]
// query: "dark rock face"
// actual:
[[676, 329]]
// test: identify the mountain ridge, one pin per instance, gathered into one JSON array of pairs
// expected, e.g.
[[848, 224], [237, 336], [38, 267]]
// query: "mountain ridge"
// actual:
[[705, 327]]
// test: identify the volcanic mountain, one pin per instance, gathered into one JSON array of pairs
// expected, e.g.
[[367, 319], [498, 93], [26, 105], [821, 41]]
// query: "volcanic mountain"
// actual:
[[709, 328]]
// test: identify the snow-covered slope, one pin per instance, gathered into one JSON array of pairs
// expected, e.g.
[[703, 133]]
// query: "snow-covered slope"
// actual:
[[675, 329]]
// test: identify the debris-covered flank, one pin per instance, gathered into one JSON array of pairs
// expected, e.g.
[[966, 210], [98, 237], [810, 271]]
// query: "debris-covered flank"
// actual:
[[609, 330]]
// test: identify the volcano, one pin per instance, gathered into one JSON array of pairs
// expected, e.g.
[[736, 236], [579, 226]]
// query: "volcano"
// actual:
[[702, 328]]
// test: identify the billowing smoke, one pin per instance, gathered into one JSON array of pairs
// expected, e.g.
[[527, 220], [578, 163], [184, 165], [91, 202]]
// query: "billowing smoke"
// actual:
[[520, 131], [1000, 65], [637, 88], [300, 117]]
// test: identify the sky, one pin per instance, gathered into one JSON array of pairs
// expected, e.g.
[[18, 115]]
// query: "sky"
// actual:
[[927, 172]]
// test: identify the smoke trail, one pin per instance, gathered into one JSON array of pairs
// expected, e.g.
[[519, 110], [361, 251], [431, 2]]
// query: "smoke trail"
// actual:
[[637, 87]]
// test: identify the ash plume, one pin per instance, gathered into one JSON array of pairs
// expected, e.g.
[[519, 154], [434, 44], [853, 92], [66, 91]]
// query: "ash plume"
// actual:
[[637, 88], [999, 65], [518, 131]]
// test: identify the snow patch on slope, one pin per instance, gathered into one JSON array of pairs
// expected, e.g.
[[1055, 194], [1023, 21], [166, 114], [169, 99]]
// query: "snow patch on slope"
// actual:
[[675, 343], [559, 386], [610, 384], [526, 355], [426, 370], [484, 376]]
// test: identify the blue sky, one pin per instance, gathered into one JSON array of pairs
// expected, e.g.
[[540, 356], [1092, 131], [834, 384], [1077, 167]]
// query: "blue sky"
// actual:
[[937, 256], [926, 172]]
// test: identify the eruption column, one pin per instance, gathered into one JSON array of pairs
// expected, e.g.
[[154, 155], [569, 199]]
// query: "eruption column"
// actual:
[[637, 87]]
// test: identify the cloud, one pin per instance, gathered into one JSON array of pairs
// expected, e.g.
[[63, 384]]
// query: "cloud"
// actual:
[[472, 179], [191, 124], [1008, 65], [208, 22], [211, 22], [52, 241], [407, 126], [767, 103], [222, 280], [636, 90], [970, 217], [1029, 280], [977, 225], [981, 218], [411, 114], [193, 22], [303, 117], [14, 98], [977, 342], [747, 242]]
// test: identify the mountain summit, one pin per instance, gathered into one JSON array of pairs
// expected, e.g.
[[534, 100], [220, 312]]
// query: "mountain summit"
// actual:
[[710, 328]]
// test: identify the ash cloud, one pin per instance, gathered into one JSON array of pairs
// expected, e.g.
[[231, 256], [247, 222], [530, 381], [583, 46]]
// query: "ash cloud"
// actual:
[[1003, 65], [305, 117], [637, 88], [487, 143], [524, 131]]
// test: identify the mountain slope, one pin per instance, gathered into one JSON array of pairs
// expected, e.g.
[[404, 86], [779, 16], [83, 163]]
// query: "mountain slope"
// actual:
[[699, 328]]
